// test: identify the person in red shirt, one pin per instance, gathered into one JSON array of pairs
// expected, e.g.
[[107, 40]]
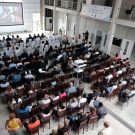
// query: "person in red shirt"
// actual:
[[33, 123]]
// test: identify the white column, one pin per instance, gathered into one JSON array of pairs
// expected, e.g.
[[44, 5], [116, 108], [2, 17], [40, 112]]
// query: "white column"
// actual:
[[54, 18], [78, 18], [42, 14], [113, 26]]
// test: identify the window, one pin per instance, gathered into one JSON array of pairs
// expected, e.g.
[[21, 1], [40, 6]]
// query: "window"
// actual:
[[126, 47], [10, 0]]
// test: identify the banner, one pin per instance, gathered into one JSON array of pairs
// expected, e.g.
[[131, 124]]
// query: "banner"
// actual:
[[97, 12]]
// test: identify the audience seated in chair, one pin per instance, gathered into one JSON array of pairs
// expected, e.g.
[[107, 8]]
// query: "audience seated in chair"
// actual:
[[71, 89], [101, 111], [33, 123], [60, 108]]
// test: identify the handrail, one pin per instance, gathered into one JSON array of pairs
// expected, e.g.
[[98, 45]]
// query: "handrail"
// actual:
[[63, 4], [67, 4]]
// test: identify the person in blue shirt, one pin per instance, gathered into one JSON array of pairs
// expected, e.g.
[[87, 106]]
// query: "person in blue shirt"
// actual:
[[71, 89], [2, 77], [23, 109], [12, 65], [16, 77]]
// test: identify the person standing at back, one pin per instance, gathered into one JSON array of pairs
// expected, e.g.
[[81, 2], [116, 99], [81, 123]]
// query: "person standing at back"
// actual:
[[13, 125], [107, 130]]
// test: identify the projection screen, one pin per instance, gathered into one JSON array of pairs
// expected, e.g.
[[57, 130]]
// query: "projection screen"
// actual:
[[11, 13]]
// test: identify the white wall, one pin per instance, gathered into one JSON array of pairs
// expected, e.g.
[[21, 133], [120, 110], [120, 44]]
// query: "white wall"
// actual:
[[125, 32], [85, 24], [71, 24], [61, 21], [91, 25], [29, 7]]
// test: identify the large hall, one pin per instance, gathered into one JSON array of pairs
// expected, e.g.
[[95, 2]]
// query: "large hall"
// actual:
[[67, 67]]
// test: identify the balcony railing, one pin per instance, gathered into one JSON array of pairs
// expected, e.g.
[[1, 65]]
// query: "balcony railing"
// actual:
[[49, 2], [127, 15], [67, 4]]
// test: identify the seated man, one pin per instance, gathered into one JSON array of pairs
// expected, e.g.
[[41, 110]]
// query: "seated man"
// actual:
[[29, 75], [94, 103], [61, 130], [12, 65], [46, 100], [73, 103], [64, 129], [83, 99], [71, 89], [13, 102], [101, 111], [4, 84], [16, 77], [61, 108], [2, 77], [55, 97], [109, 77], [109, 89], [33, 123], [79, 118], [122, 82]]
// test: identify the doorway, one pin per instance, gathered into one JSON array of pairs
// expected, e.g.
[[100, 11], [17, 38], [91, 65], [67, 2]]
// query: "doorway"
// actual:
[[48, 19]]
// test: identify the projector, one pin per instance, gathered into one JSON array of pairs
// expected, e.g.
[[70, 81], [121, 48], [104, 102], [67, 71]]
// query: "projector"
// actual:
[[80, 63]]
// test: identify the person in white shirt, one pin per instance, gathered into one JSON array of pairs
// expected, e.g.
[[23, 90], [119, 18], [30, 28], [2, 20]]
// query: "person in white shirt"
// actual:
[[107, 130], [13, 102], [29, 75], [55, 97], [73, 103], [109, 77], [83, 100], [46, 100], [4, 84]]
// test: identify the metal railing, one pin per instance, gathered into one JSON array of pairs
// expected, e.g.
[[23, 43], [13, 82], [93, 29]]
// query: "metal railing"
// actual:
[[49, 2], [67, 4]]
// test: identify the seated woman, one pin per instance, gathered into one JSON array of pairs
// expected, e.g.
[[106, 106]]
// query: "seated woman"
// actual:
[[33, 123], [46, 112], [23, 109], [60, 108], [92, 113], [62, 94], [13, 124]]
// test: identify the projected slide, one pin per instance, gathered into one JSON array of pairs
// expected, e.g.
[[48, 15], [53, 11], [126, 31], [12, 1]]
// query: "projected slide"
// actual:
[[11, 14]]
